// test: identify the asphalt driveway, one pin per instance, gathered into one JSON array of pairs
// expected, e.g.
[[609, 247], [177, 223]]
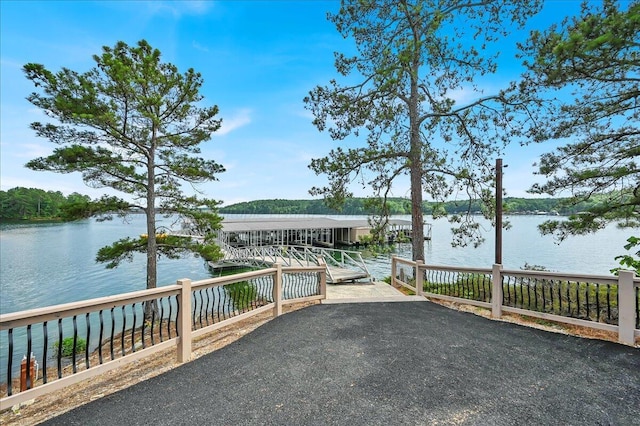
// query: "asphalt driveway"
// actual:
[[387, 363]]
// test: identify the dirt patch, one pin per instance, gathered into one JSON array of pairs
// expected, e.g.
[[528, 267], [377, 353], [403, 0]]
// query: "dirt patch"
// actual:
[[54, 404]]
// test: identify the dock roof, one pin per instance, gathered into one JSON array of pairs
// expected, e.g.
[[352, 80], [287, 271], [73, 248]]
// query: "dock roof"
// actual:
[[278, 223]]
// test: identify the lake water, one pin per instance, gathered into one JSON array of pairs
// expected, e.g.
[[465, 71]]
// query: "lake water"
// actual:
[[48, 264]]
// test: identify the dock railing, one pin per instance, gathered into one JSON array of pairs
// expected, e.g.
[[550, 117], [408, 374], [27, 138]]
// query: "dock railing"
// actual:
[[610, 303], [299, 256], [46, 349]]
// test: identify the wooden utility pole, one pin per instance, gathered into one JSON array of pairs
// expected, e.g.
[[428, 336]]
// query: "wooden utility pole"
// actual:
[[498, 242]]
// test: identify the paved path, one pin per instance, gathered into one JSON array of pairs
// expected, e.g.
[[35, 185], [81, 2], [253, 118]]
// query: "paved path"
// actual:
[[387, 364], [366, 292]]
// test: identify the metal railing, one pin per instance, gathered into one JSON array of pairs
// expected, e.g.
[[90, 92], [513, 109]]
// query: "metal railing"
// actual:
[[609, 303], [46, 349], [300, 256]]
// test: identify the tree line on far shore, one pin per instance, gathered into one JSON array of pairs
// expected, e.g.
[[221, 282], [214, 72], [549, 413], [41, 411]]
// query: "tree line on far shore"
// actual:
[[402, 206], [37, 204]]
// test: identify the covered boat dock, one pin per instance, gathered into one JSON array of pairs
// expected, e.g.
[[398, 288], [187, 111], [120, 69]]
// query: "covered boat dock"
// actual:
[[309, 231]]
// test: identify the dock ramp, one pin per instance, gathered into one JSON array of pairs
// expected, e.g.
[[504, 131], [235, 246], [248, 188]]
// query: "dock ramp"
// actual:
[[342, 265]]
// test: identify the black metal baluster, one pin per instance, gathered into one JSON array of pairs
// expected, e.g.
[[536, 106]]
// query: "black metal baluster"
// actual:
[[10, 362], [598, 302], [521, 292], [169, 320], [221, 300], [194, 304], [133, 329], [230, 307], [144, 320], [112, 337], [28, 377], [577, 300], [75, 344], [124, 328], [202, 309], [178, 308], [100, 336], [609, 302], [484, 289], [86, 346], [161, 318], [59, 348], [560, 297], [45, 344], [586, 295], [637, 307], [206, 308], [535, 293], [254, 292], [153, 323]]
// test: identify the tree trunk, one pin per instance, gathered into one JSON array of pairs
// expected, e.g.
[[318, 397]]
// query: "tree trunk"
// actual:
[[415, 160], [152, 249]]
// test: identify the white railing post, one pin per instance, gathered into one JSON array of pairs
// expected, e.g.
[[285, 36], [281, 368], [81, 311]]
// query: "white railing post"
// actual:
[[323, 278], [419, 278], [626, 308], [184, 321], [496, 291], [394, 267], [277, 291]]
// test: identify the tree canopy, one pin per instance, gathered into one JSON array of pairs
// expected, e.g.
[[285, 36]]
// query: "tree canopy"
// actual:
[[133, 123], [21, 203], [402, 206], [399, 93], [585, 73]]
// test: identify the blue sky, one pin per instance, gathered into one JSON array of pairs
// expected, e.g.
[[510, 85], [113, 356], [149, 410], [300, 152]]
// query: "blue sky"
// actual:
[[258, 59]]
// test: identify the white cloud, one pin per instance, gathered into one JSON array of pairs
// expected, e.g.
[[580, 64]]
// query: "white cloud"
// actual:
[[239, 119], [33, 150], [179, 8], [199, 47]]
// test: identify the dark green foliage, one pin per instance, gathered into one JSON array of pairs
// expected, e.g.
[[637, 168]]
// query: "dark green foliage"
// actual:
[[243, 294], [472, 286], [584, 74], [402, 206], [67, 346], [133, 124], [36, 204], [630, 261], [398, 102]]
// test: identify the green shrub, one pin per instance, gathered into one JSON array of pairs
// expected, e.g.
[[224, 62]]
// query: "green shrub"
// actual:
[[242, 293], [67, 346]]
